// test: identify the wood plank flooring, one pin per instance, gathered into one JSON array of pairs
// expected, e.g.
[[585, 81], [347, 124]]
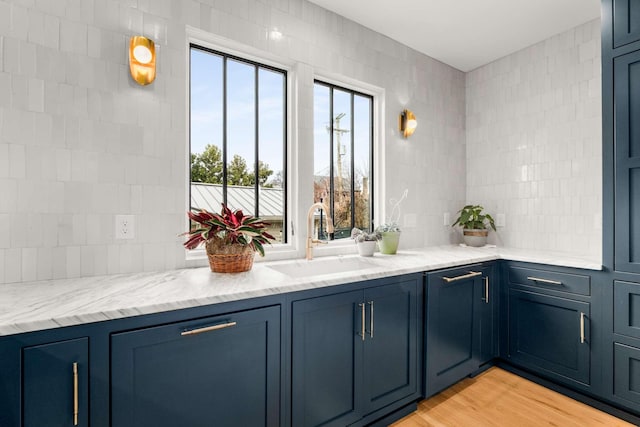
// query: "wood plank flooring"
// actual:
[[497, 398]]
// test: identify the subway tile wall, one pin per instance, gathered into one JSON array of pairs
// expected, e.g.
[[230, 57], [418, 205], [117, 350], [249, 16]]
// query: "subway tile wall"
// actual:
[[534, 143], [80, 142]]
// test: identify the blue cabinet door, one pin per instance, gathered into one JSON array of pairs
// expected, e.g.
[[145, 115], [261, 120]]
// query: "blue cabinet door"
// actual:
[[627, 161], [627, 374], [550, 335], [222, 371], [390, 348], [327, 346], [452, 327], [626, 22], [56, 384]]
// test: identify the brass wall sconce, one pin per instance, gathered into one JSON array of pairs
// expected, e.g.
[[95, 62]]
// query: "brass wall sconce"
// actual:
[[408, 123], [142, 60]]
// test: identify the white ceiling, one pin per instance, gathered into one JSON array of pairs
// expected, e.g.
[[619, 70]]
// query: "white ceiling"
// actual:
[[466, 33]]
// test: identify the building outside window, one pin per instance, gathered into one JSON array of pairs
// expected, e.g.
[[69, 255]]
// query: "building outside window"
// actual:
[[238, 136]]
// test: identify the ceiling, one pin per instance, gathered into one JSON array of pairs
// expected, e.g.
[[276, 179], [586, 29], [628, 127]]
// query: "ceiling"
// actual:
[[467, 34]]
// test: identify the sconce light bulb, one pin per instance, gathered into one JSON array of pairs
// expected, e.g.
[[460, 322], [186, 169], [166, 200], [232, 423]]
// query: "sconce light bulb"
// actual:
[[142, 54]]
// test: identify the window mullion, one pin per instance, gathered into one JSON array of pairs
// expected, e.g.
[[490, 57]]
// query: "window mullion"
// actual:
[[352, 190], [256, 171], [224, 130], [331, 152]]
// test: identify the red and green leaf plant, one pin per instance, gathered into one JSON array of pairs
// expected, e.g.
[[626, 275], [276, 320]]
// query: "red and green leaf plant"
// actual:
[[226, 229]]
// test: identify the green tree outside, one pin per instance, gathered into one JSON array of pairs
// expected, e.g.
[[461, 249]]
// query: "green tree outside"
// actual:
[[207, 167]]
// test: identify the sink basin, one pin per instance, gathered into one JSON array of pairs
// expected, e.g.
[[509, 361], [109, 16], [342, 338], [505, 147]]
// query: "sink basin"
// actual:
[[302, 268]]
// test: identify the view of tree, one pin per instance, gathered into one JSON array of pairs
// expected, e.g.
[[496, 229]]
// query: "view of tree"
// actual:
[[207, 167]]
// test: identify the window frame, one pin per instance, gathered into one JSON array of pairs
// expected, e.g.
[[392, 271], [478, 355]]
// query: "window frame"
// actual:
[[257, 66], [331, 86], [300, 77]]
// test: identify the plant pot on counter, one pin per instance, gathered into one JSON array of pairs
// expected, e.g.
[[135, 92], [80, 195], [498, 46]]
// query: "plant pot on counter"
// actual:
[[389, 242], [366, 248], [474, 237], [229, 258]]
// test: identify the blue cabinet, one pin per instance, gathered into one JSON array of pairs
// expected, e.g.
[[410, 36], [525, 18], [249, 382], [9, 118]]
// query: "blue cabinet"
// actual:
[[222, 371], [550, 335], [627, 161], [460, 324], [55, 384], [626, 22], [354, 353], [548, 323]]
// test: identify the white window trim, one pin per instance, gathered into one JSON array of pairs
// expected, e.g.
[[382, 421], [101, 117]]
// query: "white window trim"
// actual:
[[347, 246], [297, 204]]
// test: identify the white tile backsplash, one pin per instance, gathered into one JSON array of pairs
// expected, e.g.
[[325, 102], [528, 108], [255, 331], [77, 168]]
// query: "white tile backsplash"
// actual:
[[534, 141], [80, 142]]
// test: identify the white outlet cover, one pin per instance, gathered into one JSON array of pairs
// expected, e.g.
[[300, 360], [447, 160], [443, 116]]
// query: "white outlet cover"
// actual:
[[125, 227], [446, 219]]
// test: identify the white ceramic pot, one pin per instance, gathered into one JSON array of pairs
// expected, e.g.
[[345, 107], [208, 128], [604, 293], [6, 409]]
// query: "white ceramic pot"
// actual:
[[475, 238], [366, 248]]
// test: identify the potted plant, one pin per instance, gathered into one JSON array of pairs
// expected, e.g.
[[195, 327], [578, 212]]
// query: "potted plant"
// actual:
[[231, 238], [389, 238], [474, 225], [366, 242]]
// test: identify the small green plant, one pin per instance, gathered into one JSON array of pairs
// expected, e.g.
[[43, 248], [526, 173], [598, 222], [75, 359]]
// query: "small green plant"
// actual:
[[363, 236], [471, 218], [391, 227]]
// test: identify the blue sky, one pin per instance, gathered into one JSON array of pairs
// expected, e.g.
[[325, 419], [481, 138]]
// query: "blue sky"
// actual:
[[206, 109]]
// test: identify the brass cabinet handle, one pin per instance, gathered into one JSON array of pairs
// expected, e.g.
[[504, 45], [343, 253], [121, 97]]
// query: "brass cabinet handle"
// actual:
[[582, 338], [486, 290], [361, 305], [75, 393], [371, 319], [208, 329], [464, 276], [550, 282]]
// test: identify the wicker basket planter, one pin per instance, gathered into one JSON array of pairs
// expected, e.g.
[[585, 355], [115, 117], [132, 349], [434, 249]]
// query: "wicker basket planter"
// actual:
[[229, 258]]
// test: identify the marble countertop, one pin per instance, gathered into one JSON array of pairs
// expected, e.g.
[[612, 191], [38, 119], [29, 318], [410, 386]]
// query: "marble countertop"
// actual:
[[33, 306]]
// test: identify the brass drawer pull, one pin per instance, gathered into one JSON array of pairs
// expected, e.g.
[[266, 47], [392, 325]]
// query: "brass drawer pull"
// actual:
[[486, 290], [208, 329], [550, 282], [582, 337], [464, 276], [363, 320], [75, 393], [370, 319]]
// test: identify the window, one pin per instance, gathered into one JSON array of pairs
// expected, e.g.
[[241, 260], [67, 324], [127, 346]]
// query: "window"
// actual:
[[343, 157], [238, 136]]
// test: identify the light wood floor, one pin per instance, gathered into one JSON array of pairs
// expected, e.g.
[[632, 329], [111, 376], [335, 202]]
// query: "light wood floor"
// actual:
[[498, 398]]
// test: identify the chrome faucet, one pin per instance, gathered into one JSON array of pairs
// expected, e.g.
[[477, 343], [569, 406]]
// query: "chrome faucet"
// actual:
[[311, 242]]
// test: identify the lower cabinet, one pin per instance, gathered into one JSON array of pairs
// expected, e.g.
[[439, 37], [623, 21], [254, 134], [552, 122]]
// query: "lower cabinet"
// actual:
[[460, 324], [222, 371], [550, 334], [354, 353], [56, 384], [548, 323]]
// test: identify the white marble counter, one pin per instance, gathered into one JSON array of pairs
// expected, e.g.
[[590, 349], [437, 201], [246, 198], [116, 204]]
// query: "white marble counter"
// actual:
[[32, 306]]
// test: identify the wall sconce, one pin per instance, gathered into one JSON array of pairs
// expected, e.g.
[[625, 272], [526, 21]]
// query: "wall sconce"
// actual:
[[142, 60], [408, 123]]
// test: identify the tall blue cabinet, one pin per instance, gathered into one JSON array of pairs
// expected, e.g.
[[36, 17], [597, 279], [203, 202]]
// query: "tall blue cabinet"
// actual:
[[621, 197]]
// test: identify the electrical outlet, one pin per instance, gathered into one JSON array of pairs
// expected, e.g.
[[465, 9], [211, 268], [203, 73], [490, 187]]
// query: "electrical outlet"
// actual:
[[501, 220], [446, 219], [125, 227]]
